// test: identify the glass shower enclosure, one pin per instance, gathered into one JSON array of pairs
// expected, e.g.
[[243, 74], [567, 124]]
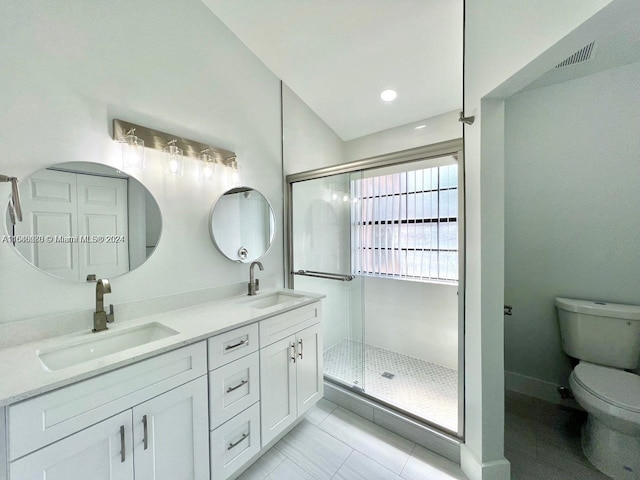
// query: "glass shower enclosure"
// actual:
[[382, 239]]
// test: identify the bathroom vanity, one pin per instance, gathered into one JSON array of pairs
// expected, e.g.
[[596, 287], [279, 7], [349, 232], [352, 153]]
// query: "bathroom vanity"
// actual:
[[197, 393]]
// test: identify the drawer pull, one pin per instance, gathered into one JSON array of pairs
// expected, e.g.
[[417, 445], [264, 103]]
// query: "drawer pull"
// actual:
[[122, 447], [231, 389], [239, 344], [145, 439], [301, 348], [233, 445], [293, 352]]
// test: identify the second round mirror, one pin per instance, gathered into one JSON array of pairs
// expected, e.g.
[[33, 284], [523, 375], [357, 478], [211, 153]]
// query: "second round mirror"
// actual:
[[242, 224]]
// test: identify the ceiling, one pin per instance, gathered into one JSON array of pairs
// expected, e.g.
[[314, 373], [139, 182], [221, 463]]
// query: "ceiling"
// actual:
[[338, 55]]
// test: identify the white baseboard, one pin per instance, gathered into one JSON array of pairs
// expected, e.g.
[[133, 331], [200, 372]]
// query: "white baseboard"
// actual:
[[476, 470], [533, 387]]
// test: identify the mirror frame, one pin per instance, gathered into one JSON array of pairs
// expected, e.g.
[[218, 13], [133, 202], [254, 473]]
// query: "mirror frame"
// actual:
[[240, 189]]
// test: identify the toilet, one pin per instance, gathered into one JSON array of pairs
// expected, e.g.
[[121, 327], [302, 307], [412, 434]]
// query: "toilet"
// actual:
[[605, 337]]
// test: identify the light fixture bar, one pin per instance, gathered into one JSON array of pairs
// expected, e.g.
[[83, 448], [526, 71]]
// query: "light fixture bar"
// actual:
[[158, 141]]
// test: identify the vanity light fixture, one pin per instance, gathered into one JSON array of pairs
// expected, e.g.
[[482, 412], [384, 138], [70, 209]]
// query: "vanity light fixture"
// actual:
[[173, 159], [174, 149], [132, 151]]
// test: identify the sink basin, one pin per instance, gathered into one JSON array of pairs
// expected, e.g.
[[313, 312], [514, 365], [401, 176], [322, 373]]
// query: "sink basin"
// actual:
[[102, 344], [273, 300]]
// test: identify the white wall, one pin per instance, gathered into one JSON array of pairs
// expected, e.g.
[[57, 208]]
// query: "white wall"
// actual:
[[69, 68], [308, 142], [572, 199], [413, 318], [501, 37], [436, 129]]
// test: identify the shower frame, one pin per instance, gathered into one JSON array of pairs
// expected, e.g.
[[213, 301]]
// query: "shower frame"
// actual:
[[450, 147]]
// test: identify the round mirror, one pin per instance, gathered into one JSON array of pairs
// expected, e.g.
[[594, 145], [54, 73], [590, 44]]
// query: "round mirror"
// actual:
[[82, 219], [242, 224]]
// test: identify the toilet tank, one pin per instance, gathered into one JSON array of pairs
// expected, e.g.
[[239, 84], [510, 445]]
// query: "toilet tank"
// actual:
[[600, 332]]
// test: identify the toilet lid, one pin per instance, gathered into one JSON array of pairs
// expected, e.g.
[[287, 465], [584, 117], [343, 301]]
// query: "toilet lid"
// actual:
[[617, 387]]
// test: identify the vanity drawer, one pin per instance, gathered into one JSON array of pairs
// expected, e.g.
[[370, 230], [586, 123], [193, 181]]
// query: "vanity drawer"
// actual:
[[230, 346], [47, 418], [233, 388], [281, 326], [234, 443]]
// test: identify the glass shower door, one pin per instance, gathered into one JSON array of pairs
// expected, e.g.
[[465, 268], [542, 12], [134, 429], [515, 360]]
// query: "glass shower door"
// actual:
[[321, 262]]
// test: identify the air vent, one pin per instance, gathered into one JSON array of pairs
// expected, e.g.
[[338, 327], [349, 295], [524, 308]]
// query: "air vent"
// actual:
[[580, 56]]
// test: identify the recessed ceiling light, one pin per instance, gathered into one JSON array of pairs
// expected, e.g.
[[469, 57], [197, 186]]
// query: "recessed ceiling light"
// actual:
[[388, 95], [419, 127]]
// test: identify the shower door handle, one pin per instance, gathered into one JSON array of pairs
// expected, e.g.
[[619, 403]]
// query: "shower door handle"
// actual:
[[341, 277]]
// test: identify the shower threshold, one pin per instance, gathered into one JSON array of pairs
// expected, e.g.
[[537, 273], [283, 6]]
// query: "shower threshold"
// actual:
[[422, 389]]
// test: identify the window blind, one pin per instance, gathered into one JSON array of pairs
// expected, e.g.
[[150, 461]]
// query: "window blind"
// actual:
[[405, 224]]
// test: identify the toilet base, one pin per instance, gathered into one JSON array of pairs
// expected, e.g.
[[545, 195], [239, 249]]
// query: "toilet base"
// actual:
[[613, 453]]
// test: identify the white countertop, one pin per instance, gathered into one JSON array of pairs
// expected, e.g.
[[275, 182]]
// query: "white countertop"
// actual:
[[22, 374]]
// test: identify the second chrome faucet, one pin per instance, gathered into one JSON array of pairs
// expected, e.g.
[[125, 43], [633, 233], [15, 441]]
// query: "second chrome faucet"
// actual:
[[254, 283]]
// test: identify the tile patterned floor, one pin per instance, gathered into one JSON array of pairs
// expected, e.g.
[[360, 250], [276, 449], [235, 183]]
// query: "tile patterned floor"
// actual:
[[542, 441], [422, 388], [335, 444]]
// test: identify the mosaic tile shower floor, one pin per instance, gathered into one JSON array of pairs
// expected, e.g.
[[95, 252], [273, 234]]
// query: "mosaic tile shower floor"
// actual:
[[419, 387]]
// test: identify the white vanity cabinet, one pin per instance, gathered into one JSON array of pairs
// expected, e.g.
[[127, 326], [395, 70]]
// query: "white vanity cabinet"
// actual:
[[103, 452], [234, 400], [290, 368], [147, 421], [199, 412]]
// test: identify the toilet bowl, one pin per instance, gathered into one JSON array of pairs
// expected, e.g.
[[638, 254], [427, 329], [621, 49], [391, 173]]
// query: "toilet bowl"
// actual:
[[611, 436], [605, 337]]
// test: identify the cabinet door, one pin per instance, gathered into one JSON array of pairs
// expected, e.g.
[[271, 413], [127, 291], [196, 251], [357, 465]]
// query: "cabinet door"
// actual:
[[277, 387], [309, 379], [171, 434], [101, 452]]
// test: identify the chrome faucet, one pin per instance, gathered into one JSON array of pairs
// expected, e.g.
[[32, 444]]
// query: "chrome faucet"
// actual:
[[254, 283], [100, 317]]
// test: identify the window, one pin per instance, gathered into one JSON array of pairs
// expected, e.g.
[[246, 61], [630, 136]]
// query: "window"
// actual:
[[405, 223]]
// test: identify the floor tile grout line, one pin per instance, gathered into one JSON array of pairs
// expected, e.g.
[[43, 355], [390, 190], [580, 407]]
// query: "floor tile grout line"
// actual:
[[345, 461], [279, 463], [363, 453], [413, 449], [324, 431]]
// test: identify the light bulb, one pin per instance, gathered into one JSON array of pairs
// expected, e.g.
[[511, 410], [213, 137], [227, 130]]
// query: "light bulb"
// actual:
[[207, 167], [132, 151], [173, 159]]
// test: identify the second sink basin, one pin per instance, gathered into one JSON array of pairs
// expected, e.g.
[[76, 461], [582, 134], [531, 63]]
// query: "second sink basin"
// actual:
[[273, 300], [103, 344]]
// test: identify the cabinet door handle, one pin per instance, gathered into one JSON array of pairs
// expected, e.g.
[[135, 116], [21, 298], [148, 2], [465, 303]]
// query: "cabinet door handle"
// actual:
[[122, 446], [293, 352], [231, 389], [232, 445], [301, 349], [239, 344], [145, 439]]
